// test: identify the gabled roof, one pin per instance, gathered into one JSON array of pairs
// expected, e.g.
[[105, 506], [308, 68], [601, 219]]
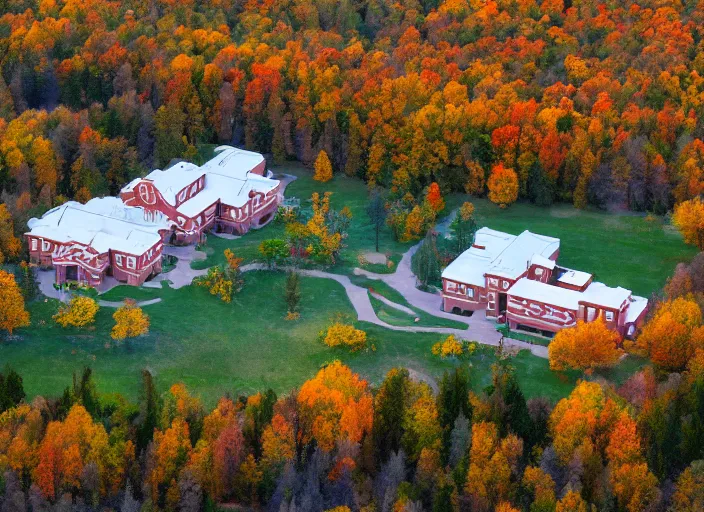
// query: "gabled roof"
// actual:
[[102, 223], [501, 254]]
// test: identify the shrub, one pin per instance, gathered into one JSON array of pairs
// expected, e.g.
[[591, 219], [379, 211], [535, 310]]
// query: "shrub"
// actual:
[[339, 334], [453, 347], [79, 312], [274, 250]]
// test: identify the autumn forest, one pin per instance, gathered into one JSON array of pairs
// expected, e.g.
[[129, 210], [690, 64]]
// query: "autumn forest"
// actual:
[[594, 104]]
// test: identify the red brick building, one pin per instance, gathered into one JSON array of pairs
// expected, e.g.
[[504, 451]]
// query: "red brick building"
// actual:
[[86, 242], [123, 237], [518, 278], [231, 193]]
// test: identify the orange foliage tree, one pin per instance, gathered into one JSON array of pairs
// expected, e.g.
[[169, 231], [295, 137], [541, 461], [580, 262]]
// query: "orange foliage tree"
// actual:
[[492, 462], [323, 167], [503, 186], [434, 198], [12, 311], [335, 405], [585, 346], [672, 334], [130, 321], [68, 446]]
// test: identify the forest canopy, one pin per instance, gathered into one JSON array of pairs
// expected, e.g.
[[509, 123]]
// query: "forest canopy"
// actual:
[[586, 102]]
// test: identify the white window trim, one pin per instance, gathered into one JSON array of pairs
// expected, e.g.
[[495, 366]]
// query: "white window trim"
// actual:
[[34, 244], [470, 292], [118, 260], [538, 271], [45, 245], [609, 316], [131, 262], [504, 285]]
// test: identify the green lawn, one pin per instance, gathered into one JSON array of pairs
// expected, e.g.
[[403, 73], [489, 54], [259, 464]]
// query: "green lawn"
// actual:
[[626, 249], [346, 191], [245, 346], [619, 249]]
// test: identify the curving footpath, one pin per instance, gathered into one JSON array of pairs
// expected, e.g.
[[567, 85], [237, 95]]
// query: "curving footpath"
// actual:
[[478, 327]]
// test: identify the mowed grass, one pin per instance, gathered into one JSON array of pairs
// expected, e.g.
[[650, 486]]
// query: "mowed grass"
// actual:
[[629, 250], [346, 191], [620, 249], [246, 346], [242, 347]]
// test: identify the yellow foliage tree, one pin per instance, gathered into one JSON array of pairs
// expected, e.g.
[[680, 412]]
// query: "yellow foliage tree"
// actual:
[[130, 321], [503, 186], [79, 312], [689, 219], [10, 245], [339, 334], [453, 347], [585, 346], [323, 167], [12, 311]]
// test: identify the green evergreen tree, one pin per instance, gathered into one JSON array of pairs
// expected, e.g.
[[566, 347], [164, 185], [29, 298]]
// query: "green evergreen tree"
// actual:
[[292, 292], [377, 213], [453, 399], [425, 263], [389, 413]]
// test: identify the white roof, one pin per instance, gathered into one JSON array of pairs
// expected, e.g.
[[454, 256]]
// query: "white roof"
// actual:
[[602, 295], [574, 277], [470, 266], [635, 308], [539, 259], [102, 223], [502, 254], [172, 180], [546, 293], [596, 293]]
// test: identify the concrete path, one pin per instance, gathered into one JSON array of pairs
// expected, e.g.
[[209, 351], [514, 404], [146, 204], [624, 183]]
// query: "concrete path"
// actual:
[[392, 304], [480, 329], [117, 303], [182, 274]]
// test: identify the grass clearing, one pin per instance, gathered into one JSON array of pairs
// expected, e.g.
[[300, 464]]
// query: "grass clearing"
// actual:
[[217, 348]]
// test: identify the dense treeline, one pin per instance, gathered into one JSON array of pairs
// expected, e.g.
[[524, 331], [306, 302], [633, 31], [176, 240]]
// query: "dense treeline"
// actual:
[[582, 101], [336, 442]]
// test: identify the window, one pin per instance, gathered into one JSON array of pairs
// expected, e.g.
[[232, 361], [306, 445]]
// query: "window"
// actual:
[[460, 288], [130, 262], [609, 315], [45, 245], [493, 281], [538, 271], [450, 286], [34, 244], [182, 195], [505, 285], [470, 292], [118, 260], [631, 330]]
